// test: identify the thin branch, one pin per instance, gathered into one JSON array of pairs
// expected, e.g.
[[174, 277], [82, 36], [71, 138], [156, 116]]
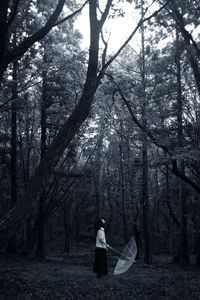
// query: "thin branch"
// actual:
[[71, 15], [105, 13], [184, 177], [104, 50], [179, 19], [135, 119], [174, 168], [13, 12], [141, 21]]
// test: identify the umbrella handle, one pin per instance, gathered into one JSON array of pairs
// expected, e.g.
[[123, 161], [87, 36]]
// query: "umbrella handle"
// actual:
[[121, 254]]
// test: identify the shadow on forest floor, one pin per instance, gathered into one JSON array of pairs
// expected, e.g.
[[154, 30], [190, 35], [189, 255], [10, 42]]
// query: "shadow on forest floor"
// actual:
[[71, 277]]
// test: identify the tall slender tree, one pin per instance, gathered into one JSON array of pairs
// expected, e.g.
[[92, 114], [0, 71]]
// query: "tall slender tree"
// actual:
[[183, 247], [145, 181]]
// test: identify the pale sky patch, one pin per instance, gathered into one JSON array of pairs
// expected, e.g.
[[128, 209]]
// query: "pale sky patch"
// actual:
[[116, 30]]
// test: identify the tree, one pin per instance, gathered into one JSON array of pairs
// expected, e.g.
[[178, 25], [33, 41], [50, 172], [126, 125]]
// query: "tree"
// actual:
[[7, 55], [145, 179], [73, 123], [183, 247], [177, 10], [67, 132]]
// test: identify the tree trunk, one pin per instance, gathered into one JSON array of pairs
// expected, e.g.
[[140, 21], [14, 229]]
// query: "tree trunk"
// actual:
[[198, 249], [67, 228], [3, 35], [97, 181], [40, 219], [145, 196], [40, 251], [183, 246], [192, 49], [12, 246], [39, 181], [145, 206], [6, 57], [109, 199], [122, 186]]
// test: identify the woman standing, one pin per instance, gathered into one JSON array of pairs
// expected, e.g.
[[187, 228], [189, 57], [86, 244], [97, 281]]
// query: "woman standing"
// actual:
[[100, 263]]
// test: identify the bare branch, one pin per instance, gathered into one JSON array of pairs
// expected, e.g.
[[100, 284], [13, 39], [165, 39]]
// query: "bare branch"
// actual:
[[175, 170], [141, 21], [148, 133], [105, 13], [104, 50], [71, 15]]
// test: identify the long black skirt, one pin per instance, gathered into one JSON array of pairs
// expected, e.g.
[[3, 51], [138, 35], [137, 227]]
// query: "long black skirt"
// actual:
[[100, 262]]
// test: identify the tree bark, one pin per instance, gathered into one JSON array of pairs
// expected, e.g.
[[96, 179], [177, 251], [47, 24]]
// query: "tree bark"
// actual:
[[12, 246], [8, 56], [3, 35], [37, 185], [183, 246], [67, 229], [198, 250], [40, 218], [122, 187], [145, 196], [191, 45]]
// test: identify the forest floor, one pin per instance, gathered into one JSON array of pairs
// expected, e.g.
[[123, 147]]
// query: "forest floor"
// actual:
[[71, 277]]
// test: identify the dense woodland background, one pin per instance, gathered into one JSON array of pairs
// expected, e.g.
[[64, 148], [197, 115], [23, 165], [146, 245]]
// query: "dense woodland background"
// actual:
[[85, 134]]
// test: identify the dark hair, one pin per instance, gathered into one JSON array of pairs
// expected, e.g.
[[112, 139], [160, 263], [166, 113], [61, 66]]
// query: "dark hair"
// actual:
[[99, 223]]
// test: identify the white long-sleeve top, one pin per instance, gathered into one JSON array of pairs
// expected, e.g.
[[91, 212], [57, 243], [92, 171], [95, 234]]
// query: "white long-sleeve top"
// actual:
[[101, 239]]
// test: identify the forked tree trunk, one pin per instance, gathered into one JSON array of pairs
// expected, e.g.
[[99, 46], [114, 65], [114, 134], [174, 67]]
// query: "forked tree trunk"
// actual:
[[36, 186]]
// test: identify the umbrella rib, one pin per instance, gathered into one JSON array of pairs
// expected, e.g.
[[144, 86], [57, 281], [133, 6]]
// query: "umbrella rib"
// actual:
[[123, 265]]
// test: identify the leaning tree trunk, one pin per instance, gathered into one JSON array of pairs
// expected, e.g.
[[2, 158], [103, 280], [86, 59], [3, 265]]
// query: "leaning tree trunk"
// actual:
[[22, 210]]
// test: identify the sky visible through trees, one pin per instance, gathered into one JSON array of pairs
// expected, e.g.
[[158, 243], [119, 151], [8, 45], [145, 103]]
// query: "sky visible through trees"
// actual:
[[116, 31], [100, 117]]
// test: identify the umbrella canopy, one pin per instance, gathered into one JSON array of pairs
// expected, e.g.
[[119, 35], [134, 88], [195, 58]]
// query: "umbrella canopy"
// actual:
[[127, 257]]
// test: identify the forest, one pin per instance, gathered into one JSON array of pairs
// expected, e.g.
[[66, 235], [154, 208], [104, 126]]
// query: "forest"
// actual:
[[94, 132]]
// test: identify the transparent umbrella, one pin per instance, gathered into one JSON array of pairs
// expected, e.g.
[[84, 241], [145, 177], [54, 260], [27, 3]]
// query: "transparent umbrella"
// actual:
[[127, 257]]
